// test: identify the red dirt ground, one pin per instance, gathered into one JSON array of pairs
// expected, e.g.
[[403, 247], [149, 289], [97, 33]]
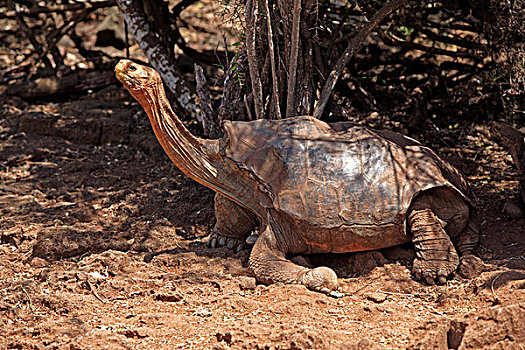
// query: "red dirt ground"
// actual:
[[86, 192]]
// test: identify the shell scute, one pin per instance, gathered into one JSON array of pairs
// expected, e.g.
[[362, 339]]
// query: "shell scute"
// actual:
[[320, 202], [337, 175]]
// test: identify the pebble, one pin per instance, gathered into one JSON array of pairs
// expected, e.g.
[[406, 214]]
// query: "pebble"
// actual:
[[247, 283], [203, 312], [168, 295], [38, 262], [376, 297], [512, 211]]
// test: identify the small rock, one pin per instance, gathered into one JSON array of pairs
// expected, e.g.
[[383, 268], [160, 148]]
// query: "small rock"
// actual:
[[247, 283], [38, 262], [376, 297], [203, 312], [366, 344], [513, 211], [471, 266], [168, 295], [224, 336], [140, 332]]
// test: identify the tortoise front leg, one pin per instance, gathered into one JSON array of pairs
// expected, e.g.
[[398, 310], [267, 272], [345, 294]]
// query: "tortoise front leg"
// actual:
[[269, 264], [234, 224], [436, 257]]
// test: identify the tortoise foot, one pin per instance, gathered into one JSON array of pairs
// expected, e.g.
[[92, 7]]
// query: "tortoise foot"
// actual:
[[436, 256], [321, 279], [217, 240], [435, 270]]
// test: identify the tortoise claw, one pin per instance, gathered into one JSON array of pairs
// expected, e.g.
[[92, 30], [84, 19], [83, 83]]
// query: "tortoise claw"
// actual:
[[216, 240], [251, 239], [212, 242], [417, 276], [429, 280], [420, 272]]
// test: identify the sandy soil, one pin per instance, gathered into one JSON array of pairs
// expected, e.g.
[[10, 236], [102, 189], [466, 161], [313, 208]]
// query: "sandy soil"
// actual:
[[86, 194]]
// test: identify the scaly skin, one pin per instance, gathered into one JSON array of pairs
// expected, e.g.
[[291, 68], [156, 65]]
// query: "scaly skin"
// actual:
[[436, 257], [234, 224], [269, 265]]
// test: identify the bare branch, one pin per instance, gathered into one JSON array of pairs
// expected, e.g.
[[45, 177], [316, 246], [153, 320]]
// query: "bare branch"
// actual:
[[251, 10], [207, 118], [58, 9], [247, 106], [355, 44], [157, 55], [429, 49], [29, 34], [292, 64], [177, 9], [272, 59]]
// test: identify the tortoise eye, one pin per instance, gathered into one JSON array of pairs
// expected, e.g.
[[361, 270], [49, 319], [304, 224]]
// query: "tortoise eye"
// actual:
[[132, 68]]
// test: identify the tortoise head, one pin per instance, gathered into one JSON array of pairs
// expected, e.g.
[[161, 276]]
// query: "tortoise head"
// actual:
[[141, 81]]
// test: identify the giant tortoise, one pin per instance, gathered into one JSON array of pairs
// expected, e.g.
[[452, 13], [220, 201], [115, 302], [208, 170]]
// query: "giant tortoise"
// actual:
[[313, 187]]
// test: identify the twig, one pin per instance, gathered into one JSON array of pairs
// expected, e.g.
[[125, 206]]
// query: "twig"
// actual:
[[292, 66], [450, 39], [29, 34], [251, 10], [57, 9], [63, 30], [496, 299], [272, 59], [29, 299], [338, 30], [354, 46], [400, 294], [207, 117], [177, 9], [92, 289], [126, 38], [247, 106], [389, 39], [414, 295]]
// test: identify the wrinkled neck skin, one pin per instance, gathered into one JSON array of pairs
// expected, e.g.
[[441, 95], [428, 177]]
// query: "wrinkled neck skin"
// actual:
[[199, 158]]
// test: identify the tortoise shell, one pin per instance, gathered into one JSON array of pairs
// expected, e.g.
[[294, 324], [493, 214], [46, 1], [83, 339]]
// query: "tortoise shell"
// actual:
[[338, 175]]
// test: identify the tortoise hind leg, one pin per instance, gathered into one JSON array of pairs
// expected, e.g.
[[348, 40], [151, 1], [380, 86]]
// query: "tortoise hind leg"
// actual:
[[234, 224], [436, 257], [269, 264], [468, 239], [437, 218]]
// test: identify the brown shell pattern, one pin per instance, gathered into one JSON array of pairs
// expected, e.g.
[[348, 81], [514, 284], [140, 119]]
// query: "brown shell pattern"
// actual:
[[332, 175]]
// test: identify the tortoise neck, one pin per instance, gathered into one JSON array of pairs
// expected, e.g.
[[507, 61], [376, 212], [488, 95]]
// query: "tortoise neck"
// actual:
[[190, 154], [198, 158]]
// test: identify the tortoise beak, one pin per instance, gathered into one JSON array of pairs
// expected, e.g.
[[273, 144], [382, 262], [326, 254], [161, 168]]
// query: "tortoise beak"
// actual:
[[121, 69]]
